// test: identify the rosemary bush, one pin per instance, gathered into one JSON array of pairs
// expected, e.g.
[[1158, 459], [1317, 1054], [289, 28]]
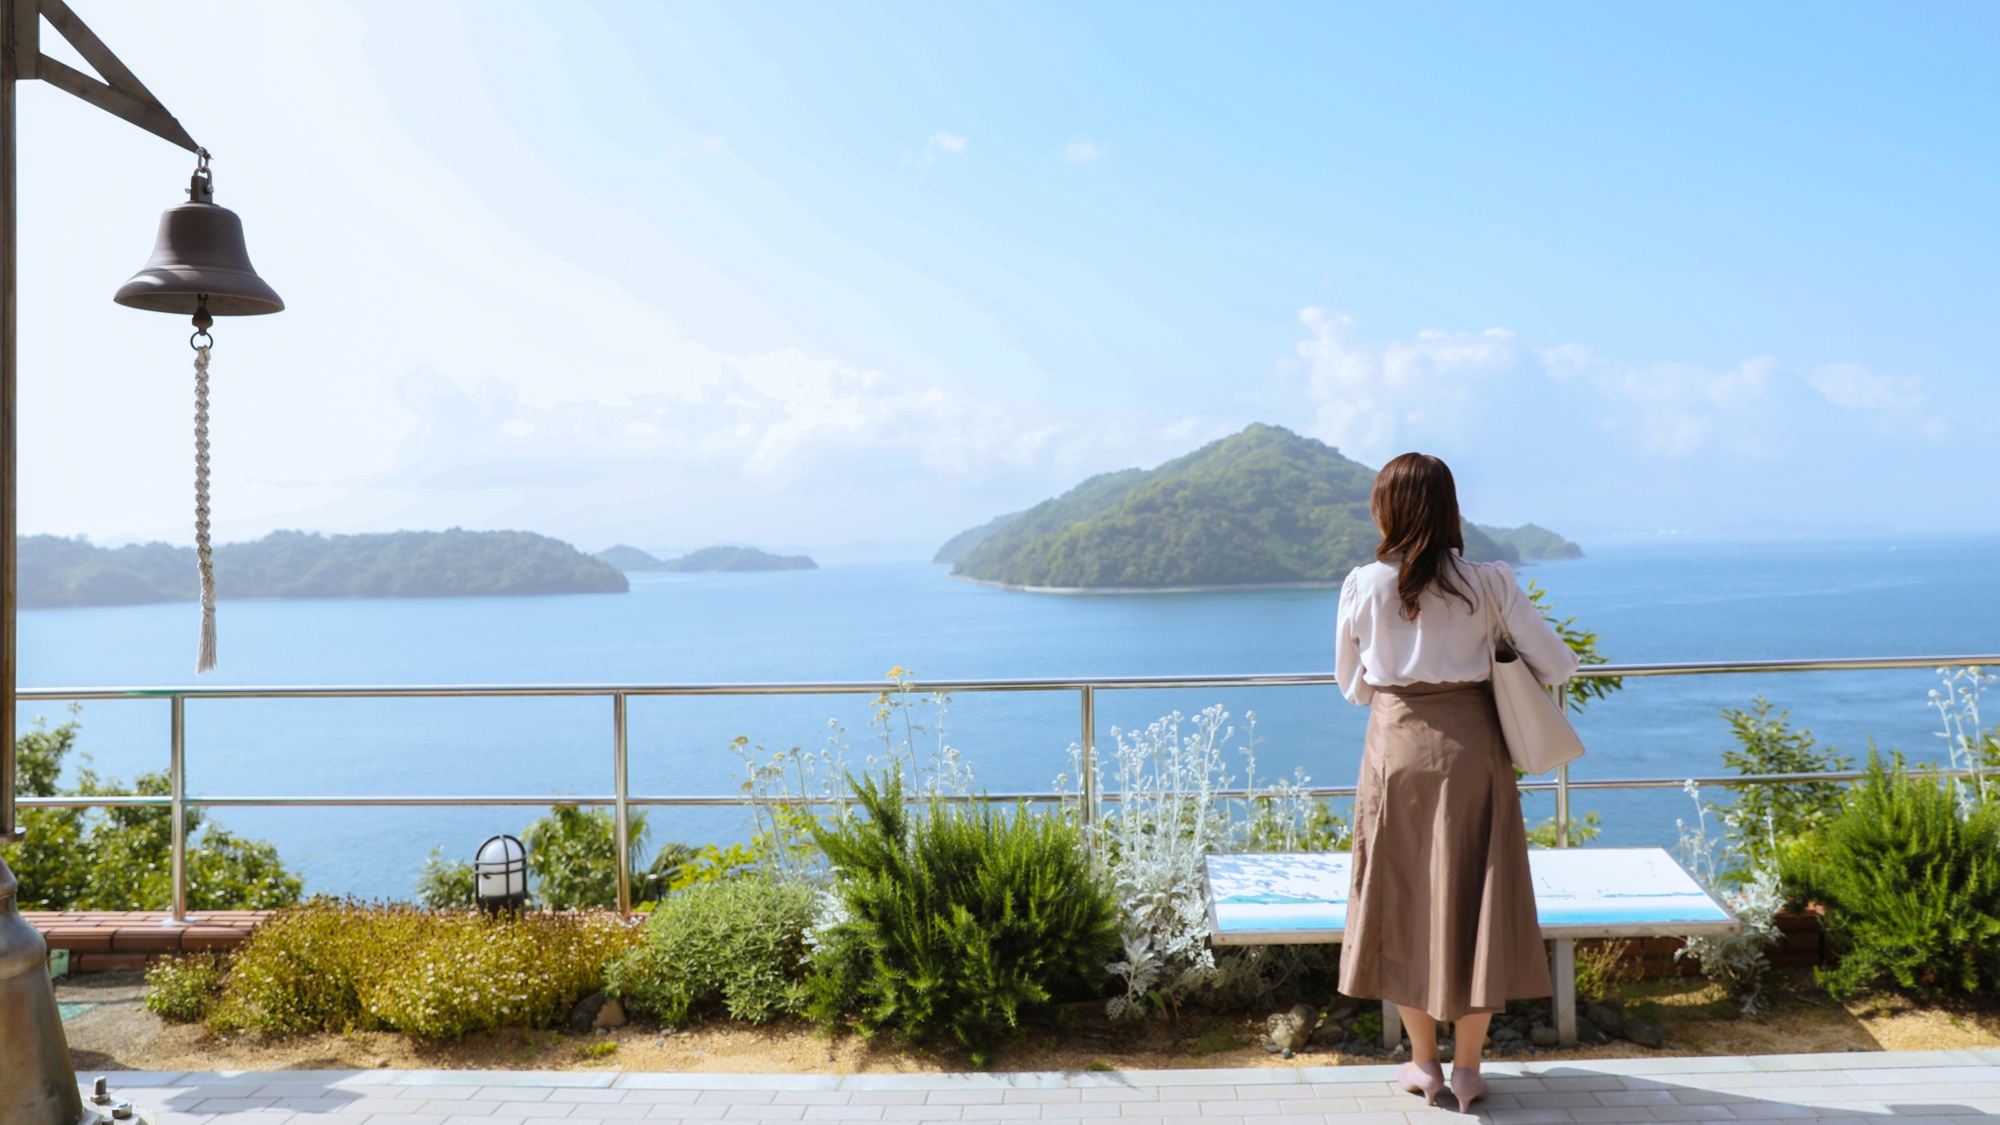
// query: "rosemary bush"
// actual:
[[954, 921], [1909, 875], [736, 945]]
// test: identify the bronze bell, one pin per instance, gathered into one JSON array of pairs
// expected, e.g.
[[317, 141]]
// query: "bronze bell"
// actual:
[[200, 255], [37, 1085]]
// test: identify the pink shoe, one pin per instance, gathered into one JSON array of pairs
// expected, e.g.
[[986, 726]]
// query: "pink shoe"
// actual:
[[1467, 1086], [1426, 1078]]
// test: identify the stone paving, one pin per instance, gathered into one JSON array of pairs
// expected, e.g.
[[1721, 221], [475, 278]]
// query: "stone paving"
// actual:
[[1906, 1088]]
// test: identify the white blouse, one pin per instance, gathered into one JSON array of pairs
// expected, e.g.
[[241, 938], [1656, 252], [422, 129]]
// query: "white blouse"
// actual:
[[1446, 644]]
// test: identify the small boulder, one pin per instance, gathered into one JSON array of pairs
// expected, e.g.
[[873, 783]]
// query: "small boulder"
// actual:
[[610, 1015], [1543, 1036], [583, 1017], [1590, 1035], [1292, 1030], [1645, 1035], [1345, 1011], [1610, 1019]]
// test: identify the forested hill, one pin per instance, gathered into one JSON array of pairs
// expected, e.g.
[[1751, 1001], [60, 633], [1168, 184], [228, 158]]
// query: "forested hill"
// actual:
[[293, 564], [706, 560], [1262, 507]]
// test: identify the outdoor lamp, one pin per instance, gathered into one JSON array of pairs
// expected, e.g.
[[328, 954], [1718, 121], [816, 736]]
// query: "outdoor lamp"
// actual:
[[200, 268], [500, 875]]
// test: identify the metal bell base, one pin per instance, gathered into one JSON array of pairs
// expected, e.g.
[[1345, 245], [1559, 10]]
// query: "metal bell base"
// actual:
[[37, 1079]]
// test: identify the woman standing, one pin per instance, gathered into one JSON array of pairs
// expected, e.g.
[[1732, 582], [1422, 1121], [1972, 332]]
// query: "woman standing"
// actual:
[[1441, 916]]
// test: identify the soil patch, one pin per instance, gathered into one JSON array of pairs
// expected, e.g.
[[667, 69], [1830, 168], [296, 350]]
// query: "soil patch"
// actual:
[[1797, 1017]]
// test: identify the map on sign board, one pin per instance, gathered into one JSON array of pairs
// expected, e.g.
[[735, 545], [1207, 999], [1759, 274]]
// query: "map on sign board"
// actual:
[[1302, 896]]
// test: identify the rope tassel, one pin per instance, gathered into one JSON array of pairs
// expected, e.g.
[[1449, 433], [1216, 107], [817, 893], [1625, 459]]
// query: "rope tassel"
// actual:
[[205, 659]]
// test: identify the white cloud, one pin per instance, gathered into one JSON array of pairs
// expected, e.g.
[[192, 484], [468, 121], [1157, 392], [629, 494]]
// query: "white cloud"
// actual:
[[940, 145], [1853, 387], [1081, 151], [1565, 421], [1374, 398]]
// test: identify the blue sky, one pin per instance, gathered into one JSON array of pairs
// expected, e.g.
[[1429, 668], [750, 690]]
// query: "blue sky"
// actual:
[[849, 278]]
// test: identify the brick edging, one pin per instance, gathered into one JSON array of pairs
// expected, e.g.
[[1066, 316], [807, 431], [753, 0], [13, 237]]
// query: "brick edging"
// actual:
[[98, 940]]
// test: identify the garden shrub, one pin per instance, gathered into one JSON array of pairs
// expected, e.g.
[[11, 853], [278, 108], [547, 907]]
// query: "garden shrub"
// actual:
[[1170, 779], [1735, 961], [957, 921], [477, 973], [1763, 815], [737, 945], [121, 858], [182, 989], [332, 966], [446, 884], [1909, 876]]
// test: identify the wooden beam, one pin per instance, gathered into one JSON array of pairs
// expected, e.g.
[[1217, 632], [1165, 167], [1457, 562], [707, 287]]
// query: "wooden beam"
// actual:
[[94, 52], [26, 37], [148, 115]]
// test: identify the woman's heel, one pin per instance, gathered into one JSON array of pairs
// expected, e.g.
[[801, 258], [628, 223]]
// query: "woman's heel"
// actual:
[[1467, 1086], [1426, 1078]]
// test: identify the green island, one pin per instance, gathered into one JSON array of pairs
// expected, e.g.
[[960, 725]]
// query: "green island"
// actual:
[[54, 571], [708, 560], [1264, 507]]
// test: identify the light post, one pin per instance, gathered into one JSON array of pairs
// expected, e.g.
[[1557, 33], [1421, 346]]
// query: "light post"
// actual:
[[199, 268]]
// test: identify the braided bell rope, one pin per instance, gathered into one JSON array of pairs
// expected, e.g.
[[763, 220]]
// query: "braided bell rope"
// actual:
[[205, 660]]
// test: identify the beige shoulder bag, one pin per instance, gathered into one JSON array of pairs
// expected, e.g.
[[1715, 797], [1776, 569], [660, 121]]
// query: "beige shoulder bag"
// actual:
[[1538, 735]]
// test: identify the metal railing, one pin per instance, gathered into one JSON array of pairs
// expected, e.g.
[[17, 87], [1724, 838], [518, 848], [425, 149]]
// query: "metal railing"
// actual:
[[621, 800]]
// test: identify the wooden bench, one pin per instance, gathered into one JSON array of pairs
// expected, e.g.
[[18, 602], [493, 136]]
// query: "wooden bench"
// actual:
[[1290, 898]]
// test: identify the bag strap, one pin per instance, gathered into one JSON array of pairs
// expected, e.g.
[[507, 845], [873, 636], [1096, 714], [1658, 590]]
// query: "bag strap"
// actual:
[[1496, 622]]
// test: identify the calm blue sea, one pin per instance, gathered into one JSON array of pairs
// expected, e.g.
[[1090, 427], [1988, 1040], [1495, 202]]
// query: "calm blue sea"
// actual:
[[1681, 602]]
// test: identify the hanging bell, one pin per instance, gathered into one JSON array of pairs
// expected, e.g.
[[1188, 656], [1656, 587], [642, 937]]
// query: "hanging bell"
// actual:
[[200, 254]]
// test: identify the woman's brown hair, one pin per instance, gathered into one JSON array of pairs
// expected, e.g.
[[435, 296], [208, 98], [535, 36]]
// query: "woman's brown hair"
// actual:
[[1415, 503]]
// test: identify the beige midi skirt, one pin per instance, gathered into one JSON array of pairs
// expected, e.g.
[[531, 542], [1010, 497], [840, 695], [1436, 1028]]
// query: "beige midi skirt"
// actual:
[[1441, 914]]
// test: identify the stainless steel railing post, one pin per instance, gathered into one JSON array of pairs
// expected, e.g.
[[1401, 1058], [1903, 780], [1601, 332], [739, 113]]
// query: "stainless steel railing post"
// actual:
[[621, 812], [1562, 785], [177, 779], [1087, 764]]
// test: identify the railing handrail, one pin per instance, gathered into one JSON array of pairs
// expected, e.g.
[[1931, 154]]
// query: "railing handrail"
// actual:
[[871, 687], [689, 800], [623, 799]]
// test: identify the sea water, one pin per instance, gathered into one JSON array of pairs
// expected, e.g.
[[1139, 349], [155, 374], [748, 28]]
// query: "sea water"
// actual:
[[1656, 602]]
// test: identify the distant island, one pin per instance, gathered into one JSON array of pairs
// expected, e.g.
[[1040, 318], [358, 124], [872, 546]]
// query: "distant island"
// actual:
[[1533, 542], [1264, 507], [632, 560], [54, 571]]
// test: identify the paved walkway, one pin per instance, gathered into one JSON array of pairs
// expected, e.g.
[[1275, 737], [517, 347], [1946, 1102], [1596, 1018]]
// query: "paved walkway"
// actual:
[[1906, 1088]]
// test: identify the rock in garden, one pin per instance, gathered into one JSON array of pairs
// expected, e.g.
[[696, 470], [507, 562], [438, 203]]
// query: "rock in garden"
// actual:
[[1544, 1036], [1605, 1016], [583, 1017], [1345, 1011], [1645, 1035], [610, 1015], [1590, 1035], [1290, 1031]]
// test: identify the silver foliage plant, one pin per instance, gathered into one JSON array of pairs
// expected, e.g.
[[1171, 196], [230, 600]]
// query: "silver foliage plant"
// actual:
[[1971, 745], [1736, 961], [1174, 807]]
